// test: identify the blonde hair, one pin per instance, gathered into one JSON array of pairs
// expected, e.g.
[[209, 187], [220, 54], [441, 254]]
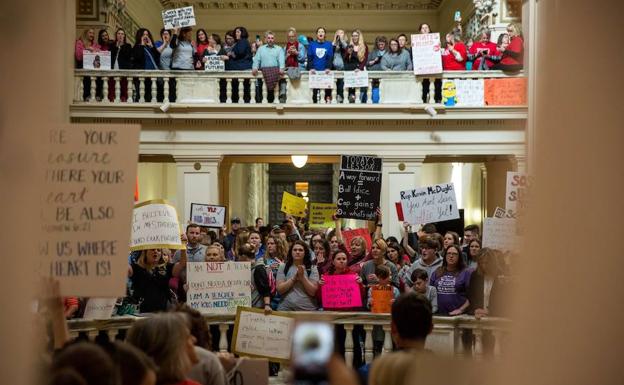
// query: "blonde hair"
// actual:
[[361, 53], [163, 337], [84, 37]]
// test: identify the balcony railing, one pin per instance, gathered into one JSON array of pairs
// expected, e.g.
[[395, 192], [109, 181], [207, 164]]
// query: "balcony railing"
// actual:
[[153, 88], [461, 335]]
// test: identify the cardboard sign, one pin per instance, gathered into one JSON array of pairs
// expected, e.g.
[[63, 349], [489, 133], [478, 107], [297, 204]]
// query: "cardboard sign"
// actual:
[[348, 235], [208, 215], [263, 336], [359, 187], [100, 60], [430, 204], [89, 173], [341, 291], [249, 371], [321, 80], [218, 287], [426, 54], [354, 79], [178, 18], [506, 92], [214, 64], [500, 233], [293, 205], [321, 215], [517, 193], [470, 92], [382, 297], [154, 226], [99, 308]]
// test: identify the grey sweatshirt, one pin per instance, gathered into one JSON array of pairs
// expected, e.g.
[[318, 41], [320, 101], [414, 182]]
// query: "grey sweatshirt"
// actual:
[[394, 62]]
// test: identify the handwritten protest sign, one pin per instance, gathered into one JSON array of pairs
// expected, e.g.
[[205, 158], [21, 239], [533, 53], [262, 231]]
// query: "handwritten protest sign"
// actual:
[[321, 215], [178, 17], [426, 54], [321, 80], [214, 64], [355, 79], [89, 173], [506, 92], [359, 186], [155, 225], [293, 205], [430, 204], [470, 92], [348, 235], [218, 287], [259, 335], [381, 299], [208, 215], [99, 308], [341, 291], [517, 193], [100, 60], [500, 233]]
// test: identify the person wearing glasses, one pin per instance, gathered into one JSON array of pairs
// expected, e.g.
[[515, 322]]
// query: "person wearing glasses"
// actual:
[[451, 282]]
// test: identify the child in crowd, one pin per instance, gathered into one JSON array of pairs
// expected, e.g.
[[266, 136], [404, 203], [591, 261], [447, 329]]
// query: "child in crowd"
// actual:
[[421, 286], [383, 274]]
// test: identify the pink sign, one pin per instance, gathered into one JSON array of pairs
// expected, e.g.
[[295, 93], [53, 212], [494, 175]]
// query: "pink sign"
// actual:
[[341, 291]]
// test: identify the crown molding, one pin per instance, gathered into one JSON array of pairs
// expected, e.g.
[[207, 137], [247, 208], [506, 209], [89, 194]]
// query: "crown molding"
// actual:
[[414, 5]]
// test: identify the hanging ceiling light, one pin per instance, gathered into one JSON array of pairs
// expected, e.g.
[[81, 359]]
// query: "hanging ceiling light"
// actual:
[[299, 160]]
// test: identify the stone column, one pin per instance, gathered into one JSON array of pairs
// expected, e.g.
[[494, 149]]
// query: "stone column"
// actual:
[[399, 173], [198, 182]]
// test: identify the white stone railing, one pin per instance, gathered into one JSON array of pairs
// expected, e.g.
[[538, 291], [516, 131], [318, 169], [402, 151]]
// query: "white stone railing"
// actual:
[[197, 87], [446, 337]]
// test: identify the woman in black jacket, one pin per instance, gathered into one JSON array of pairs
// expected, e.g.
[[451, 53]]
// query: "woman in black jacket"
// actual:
[[121, 59], [240, 59], [145, 56], [484, 291]]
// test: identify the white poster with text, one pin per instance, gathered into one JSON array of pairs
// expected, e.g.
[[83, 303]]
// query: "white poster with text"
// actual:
[[426, 54], [218, 287], [430, 204], [154, 226], [178, 17]]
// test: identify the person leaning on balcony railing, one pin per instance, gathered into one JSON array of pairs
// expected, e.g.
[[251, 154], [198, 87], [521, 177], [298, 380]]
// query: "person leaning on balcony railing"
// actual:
[[454, 55], [270, 60], [144, 57], [512, 55], [183, 49], [320, 58], [201, 41], [482, 51], [339, 44], [404, 44], [360, 52], [240, 59], [295, 54], [166, 55], [396, 59], [86, 42]]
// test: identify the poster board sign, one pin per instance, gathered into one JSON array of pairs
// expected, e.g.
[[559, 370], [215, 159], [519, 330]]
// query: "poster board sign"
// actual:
[[341, 291], [208, 215], [426, 54], [89, 174], [293, 205], [506, 92], [359, 187], [218, 287], [382, 297], [263, 336], [470, 92], [178, 17], [500, 233], [517, 193], [355, 79], [154, 226], [99, 308], [100, 60], [321, 80], [250, 371], [214, 64], [321, 215], [348, 235], [430, 204]]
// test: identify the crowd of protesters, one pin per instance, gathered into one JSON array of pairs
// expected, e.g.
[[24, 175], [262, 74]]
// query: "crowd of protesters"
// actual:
[[178, 49]]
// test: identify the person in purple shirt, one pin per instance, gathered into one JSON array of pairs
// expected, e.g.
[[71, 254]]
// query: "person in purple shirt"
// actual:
[[451, 282]]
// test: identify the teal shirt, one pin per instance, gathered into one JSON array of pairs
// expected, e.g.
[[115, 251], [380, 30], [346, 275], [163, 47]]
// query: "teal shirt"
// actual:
[[269, 57]]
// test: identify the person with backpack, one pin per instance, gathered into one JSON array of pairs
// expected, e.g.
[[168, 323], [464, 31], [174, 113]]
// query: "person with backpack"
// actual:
[[260, 287]]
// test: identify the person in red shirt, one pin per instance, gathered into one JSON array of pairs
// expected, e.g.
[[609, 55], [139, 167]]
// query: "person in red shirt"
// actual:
[[482, 51], [512, 54], [202, 45], [454, 56]]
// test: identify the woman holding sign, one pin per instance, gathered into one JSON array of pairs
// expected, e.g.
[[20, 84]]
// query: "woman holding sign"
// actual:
[[451, 282], [297, 280]]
